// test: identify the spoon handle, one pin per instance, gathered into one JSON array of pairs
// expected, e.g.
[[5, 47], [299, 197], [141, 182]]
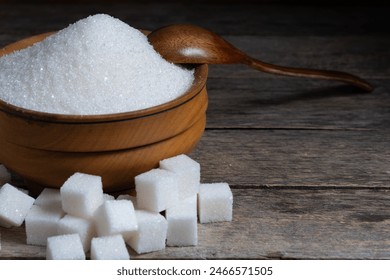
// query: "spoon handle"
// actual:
[[309, 73]]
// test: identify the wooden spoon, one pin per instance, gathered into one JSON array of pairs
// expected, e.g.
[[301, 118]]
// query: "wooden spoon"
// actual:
[[185, 43]]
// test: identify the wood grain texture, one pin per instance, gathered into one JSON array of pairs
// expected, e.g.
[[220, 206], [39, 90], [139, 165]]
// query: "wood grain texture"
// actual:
[[348, 53], [275, 224], [266, 103], [233, 18], [308, 161], [277, 158]]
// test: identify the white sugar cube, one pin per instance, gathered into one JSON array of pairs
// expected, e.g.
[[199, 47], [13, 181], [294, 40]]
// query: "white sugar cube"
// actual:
[[183, 223], [157, 190], [65, 247], [215, 203], [23, 190], [14, 206], [82, 194], [188, 171], [111, 247], [5, 175], [116, 217], [128, 197], [41, 223], [107, 196], [49, 197], [151, 234], [84, 228]]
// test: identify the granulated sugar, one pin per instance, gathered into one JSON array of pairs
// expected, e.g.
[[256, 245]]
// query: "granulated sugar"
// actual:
[[98, 65]]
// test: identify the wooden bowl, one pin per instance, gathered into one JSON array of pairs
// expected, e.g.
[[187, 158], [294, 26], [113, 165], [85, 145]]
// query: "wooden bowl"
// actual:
[[45, 149]]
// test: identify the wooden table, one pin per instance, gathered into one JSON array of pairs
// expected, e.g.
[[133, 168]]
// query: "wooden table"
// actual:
[[308, 161]]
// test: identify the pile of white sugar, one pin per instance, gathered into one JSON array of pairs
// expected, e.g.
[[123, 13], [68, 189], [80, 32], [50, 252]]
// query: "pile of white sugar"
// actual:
[[98, 65]]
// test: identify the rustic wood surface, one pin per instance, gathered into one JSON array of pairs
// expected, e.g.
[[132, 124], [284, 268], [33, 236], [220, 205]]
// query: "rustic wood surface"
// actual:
[[308, 160]]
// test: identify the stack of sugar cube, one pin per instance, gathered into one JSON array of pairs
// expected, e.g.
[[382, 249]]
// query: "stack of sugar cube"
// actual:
[[79, 218], [175, 188]]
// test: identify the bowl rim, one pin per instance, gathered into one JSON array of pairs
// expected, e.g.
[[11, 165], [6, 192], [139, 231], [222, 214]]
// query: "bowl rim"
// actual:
[[200, 77]]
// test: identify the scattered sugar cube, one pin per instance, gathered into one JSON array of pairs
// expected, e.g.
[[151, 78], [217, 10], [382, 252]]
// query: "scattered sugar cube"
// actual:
[[116, 217], [151, 234], [49, 197], [183, 223], [157, 190], [107, 196], [128, 197], [23, 190], [215, 203], [82, 194], [84, 228], [188, 171], [65, 247], [41, 223], [5, 175], [14, 206], [109, 248]]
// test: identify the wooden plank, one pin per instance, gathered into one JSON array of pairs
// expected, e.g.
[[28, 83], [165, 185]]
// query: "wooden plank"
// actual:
[[308, 160], [275, 224], [366, 57], [311, 158], [231, 18], [295, 103]]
